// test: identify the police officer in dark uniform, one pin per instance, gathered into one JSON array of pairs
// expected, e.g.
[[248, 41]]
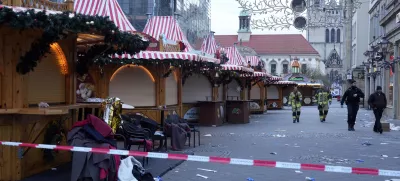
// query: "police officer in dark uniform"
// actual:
[[352, 97]]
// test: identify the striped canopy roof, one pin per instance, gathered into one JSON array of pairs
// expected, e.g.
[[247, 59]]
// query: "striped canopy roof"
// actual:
[[235, 58], [253, 60], [167, 26], [104, 8], [209, 45]]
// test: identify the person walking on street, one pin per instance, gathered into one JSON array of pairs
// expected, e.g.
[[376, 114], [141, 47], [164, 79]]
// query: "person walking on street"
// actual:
[[352, 97], [295, 99], [324, 98], [378, 102]]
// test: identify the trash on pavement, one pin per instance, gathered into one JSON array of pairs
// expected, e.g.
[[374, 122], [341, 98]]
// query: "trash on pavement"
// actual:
[[394, 127], [359, 160], [298, 171], [250, 179], [310, 179], [207, 135], [366, 143], [202, 176], [207, 170], [279, 136], [384, 156], [384, 143], [321, 151], [396, 157], [158, 179], [273, 153], [231, 133]]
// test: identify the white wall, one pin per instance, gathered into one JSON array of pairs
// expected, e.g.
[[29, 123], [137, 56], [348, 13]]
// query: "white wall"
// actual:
[[133, 86], [232, 90], [255, 92], [272, 92], [361, 32], [196, 88], [312, 61], [171, 90]]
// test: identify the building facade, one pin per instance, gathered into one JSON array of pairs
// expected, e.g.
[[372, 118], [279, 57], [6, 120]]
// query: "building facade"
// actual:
[[277, 51], [385, 23], [325, 33], [194, 16]]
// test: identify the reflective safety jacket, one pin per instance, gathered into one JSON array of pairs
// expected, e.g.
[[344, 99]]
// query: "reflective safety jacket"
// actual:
[[295, 99], [323, 98]]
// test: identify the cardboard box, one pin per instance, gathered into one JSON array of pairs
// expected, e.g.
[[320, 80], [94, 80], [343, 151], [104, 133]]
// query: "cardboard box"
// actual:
[[385, 126]]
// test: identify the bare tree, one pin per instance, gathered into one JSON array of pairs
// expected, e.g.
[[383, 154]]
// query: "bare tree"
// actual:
[[316, 74]]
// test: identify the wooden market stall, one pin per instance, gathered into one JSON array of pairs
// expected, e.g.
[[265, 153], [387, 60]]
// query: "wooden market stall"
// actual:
[[305, 85], [276, 91], [38, 80]]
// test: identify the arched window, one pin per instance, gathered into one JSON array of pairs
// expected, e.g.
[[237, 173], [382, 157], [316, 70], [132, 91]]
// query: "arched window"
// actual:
[[272, 66], [338, 36], [285, 67], [332, 35], [327, 36]]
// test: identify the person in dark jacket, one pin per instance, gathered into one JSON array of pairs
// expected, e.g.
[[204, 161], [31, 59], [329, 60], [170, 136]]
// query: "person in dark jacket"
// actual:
[[352, 97], [377, 101]]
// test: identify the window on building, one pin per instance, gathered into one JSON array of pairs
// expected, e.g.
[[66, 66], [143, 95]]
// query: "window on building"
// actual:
[[327, 35], [285, 67], [273, 67], [332, 35], [338, 36], [303, 68]]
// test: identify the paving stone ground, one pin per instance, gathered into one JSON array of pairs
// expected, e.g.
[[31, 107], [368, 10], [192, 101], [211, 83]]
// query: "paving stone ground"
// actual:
[[309, 141]]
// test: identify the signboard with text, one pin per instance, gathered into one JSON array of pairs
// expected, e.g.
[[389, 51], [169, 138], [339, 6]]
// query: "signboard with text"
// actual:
[[296, 79]]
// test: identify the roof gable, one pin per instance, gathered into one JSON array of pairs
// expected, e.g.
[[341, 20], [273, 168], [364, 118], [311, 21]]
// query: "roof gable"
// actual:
[[272, 44]]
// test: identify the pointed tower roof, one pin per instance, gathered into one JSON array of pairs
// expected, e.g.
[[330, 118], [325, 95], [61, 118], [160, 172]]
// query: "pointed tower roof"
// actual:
[[209, 45]]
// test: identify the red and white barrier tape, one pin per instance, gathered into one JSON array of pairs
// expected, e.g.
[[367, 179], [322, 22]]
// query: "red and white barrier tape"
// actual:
[[222, 160]]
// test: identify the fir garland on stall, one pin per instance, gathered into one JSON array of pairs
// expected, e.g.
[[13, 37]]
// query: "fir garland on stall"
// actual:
[[58, 26]]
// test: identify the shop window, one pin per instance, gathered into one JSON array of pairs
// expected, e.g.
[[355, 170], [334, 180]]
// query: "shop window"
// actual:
[[303, 68]]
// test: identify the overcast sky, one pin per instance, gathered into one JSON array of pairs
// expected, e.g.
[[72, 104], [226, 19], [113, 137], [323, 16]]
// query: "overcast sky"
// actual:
[[225, 21]]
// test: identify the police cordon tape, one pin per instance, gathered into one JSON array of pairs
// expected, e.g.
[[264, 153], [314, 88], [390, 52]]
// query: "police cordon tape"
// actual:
[[211, 159]]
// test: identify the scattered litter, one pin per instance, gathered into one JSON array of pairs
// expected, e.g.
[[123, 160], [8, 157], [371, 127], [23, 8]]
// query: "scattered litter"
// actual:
[[280, 130], [310, 179], [54, 169], [394, 127], [207, 135], [286, 144], [279, 136], [231, 133], [301, 131], [254, 144], [384, 156], [321, 151], [298, 171], [158, 178], [176, 171], [384, 143], [359, 160], [250, 179], [207, 170], [366, 144], [202, 176], [393, 179], [273, 153], [396, 157], [296, 146], [214, 125]]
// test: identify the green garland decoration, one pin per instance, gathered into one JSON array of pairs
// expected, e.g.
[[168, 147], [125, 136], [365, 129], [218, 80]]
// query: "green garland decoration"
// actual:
[[58, 26]]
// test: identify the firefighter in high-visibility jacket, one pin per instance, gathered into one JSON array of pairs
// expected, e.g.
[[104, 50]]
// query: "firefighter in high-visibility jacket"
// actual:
[[295, 99], [324, 99]]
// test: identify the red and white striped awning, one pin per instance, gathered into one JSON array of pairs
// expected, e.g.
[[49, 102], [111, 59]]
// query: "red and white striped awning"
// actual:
[[253, 60], [257, 74], [235, 58], [209, 45], [155, 55], [275, 78], [167, 26], [104, 8], [22, 9], [284, 83], [236, 67]]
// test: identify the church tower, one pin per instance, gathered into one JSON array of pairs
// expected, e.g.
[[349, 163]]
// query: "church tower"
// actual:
[[244, 31], [325, 32]]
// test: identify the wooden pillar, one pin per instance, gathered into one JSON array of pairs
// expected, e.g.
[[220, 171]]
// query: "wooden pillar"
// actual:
[[70, 5], [160, 85], [262, 96], [224, 92], [215, 93], [243, 92], [179, 75], [16, 2]]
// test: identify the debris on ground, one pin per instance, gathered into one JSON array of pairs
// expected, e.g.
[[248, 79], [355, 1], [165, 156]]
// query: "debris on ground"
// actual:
[[273, 153], [359, 160], [384, 143], [250, 179], [366, 143], [279, 136], [207, 135], [298, 171], [207, 170], [310, 179], [394, 127], [202, 176], [384, 156], [232, 133]]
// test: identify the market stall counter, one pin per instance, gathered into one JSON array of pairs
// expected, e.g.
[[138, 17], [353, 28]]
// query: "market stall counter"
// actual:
[[238, 111], [211, 113]]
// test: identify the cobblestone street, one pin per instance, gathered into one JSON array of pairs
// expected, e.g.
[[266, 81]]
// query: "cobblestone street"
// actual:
[[309, 141]]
